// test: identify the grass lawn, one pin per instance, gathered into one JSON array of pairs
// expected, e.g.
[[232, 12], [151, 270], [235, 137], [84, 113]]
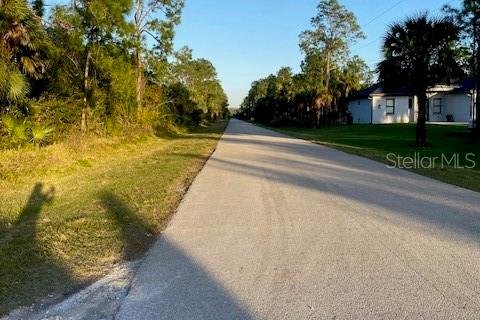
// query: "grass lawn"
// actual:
[[377, 141], [68, 212]]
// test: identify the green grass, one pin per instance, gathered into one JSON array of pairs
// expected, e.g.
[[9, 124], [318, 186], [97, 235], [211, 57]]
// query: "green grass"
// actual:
[[70, 211], [377, 141]]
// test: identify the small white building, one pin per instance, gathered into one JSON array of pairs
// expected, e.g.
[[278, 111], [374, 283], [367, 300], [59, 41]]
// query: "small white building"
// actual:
[[446, 103]]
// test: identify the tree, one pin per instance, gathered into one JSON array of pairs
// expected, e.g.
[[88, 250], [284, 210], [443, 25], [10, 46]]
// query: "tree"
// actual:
[[23, 49], [419, 52], [160, 29], [87, 61], [38, 7], [328, 74], [200, 78], [286, 98], [317, 97], [354, 75], [468, 19], [257, 91], [334, 28], [100, 21]]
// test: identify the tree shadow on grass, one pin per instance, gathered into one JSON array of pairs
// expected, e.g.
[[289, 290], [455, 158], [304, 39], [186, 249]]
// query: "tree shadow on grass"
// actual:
[[135, 234], [208, 132], [32, 209], [28, 270]]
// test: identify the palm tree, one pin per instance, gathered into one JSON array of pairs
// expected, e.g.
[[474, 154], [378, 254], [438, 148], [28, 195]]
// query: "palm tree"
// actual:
[[418, 52], [22, 37], [22, 49]]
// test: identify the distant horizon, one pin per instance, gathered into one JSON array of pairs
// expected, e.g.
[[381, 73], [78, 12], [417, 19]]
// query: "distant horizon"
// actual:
[[250, 40]]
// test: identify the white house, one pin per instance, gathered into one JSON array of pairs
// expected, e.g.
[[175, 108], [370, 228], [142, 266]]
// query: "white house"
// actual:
[[446, 103]]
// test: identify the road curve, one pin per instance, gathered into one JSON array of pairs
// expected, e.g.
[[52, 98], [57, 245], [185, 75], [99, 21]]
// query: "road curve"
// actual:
[[278, 228]]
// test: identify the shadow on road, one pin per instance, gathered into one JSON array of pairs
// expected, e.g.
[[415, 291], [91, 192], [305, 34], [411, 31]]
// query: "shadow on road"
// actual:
[[317, 168], [172, 285], [30, 270]]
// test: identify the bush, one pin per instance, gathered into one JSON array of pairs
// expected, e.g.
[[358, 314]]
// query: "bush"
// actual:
[[20, 132], [62, 114]]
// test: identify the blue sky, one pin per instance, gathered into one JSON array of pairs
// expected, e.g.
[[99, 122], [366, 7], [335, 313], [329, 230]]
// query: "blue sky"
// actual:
[[249, 39]]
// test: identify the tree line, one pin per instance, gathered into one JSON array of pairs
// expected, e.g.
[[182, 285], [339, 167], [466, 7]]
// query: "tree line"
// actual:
[[329, 73], [418, 52], [98, 66]]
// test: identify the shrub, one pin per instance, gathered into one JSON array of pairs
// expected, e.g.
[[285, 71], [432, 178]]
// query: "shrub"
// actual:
[[22, 131]]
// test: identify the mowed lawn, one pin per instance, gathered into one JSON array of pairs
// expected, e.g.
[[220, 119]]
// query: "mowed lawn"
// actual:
[[69, 212], [377, 141]]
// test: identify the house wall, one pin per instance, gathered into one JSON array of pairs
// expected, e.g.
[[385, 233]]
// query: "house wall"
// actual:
[[431, 115], [402, 112], [473, 113], [413, 116], [361, 110], [458, 105], [373, 110]]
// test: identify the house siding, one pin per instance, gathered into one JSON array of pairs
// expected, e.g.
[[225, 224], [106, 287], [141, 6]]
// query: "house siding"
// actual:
[[373, 109], [361, 110], [457, 105], [402, 112]]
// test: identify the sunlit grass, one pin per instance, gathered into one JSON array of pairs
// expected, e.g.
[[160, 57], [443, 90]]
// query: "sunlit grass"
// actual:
[[69, 211]]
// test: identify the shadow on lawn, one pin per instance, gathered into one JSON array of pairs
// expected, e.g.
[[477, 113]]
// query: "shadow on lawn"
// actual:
[[31, 273], [209, 131], [38, 198], [28, 269], [136, 235]]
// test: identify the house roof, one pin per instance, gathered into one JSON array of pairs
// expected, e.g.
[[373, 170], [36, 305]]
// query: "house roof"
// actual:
[[462, 86], [379, 89]]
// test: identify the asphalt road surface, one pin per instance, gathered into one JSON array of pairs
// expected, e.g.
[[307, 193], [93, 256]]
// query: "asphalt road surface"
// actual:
[[279, 228]]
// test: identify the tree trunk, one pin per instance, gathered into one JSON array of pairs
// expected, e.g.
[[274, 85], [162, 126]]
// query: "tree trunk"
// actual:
[[139, 15], [327, 81], [139, 79], [421, 130], [86, 89], [476, 46]]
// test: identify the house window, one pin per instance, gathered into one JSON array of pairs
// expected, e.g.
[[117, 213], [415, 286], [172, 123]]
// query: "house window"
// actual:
[[410, 103], [437, 106], [390, 106]]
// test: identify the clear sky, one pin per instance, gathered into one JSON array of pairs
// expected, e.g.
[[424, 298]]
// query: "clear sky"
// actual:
[[249, 39]]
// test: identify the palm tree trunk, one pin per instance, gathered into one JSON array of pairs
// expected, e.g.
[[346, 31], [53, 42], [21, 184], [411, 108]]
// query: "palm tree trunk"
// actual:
[[86, 89], [327, 73], [476, 46], [421, 130]]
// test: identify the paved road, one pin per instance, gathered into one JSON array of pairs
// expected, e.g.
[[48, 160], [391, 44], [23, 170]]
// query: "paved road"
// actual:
[[279, 228]]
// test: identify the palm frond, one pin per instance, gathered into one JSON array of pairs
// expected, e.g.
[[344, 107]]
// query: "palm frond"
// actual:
[[40, 134], [16, 129], [18, 87]]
